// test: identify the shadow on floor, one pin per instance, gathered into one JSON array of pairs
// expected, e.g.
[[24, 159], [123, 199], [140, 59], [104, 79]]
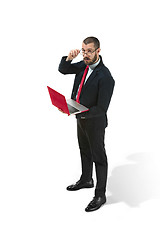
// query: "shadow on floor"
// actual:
[[136, 181]]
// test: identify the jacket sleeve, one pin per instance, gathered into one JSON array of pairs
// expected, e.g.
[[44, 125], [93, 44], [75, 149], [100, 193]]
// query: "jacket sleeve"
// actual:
[[67, 67], [106, 87], [105, 91]]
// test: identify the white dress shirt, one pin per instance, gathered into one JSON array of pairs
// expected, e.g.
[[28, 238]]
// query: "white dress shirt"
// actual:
[[90, 70]]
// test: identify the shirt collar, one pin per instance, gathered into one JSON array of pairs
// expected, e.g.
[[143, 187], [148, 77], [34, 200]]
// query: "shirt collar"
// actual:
[[93, 66]]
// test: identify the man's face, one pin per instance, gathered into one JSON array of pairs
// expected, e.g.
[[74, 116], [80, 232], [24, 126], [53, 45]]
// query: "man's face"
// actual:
[[92, 56]]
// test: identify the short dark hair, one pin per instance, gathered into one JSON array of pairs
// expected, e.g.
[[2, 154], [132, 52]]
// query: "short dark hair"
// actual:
[[92, 40]]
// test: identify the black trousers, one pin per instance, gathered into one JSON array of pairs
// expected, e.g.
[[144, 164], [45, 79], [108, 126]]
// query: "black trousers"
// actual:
[[91, 134]]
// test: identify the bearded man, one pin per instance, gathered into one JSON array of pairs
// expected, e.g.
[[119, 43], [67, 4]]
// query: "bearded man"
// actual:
[[95, 94]]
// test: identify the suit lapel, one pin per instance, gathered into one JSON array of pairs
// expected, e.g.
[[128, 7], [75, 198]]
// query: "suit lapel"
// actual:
[[89, 80]]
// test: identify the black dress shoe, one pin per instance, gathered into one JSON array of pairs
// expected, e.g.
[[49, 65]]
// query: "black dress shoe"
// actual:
[[95, 204], [80, 185]]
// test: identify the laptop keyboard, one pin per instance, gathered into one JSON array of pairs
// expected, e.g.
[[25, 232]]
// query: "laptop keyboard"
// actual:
[[72, 109]]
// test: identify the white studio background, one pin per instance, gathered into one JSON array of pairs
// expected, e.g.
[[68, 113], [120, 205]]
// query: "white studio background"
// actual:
[[39, 153]]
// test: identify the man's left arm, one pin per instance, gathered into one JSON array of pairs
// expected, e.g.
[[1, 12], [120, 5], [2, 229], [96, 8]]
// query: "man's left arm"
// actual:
[[105, 90]]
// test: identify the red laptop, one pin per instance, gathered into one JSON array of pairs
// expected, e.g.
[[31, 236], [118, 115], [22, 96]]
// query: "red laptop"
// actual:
[[67, 106]]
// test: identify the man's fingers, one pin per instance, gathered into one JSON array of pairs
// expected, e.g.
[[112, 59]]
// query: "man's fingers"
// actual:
[[72, 54], [61, 110]]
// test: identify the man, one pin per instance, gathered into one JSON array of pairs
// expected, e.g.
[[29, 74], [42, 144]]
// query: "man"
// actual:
[[95, 93]]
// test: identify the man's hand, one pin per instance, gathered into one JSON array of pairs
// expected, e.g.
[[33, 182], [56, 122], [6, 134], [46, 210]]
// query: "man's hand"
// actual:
[[61, 110], [72, 54]]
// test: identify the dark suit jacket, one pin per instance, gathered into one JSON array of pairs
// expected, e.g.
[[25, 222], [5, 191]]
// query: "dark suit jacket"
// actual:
[[97, 91]]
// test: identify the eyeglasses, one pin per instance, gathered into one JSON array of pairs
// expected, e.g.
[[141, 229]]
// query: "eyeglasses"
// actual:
[[88, 52]]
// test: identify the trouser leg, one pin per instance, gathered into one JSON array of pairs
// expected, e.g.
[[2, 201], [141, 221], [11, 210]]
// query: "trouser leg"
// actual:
[[96, 141], [85, 152]]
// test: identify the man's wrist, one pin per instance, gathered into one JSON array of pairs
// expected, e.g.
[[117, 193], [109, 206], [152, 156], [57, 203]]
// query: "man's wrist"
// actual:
[[68, 59]]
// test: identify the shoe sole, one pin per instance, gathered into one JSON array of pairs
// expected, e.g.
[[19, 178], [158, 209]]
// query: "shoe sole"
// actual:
[[78, 188], [95, 208]]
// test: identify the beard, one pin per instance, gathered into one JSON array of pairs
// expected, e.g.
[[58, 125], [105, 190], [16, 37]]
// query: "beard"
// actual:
[[89, 61]]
